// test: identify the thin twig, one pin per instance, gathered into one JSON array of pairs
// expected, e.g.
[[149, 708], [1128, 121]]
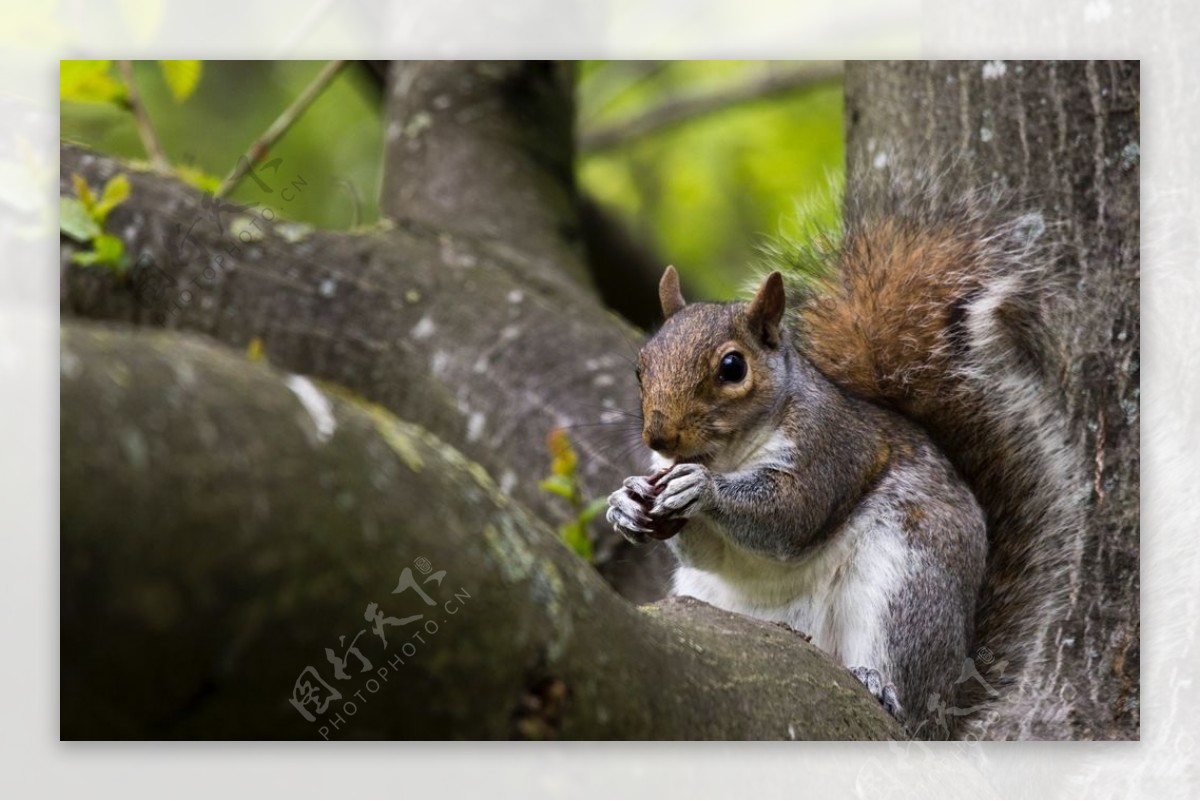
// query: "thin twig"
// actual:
[[158, 158], [687, 109], [609, 84], [355, 202], [279, 127]]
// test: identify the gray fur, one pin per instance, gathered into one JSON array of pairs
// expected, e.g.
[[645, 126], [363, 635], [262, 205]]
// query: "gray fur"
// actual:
[[811, 469], [801, 490]]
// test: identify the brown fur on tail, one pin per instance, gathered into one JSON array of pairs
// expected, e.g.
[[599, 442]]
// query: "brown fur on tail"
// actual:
[[885, 328], [938, 310]]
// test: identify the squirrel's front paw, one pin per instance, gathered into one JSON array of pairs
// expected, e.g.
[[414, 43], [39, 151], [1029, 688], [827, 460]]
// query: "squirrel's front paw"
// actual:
[[628, 511], [682, 492], [627, 515]]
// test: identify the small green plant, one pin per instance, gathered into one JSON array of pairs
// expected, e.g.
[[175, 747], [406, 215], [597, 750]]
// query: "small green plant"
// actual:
[[112, 83], [82, 218], [95, 81], [90, 82], [563, 481]]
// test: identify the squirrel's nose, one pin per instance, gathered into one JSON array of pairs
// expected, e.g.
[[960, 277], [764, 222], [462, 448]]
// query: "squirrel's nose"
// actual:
[[656, 434], [659, 442]]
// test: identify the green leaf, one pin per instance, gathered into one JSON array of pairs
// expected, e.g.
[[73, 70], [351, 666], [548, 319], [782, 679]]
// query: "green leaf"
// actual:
[[564, 458], [575, 536], [181, 77], [83, 192], [89, 82], [564, 465], [75, 221], [559, 485], [107, 250], [198, 178], [115, 193], [592, 509]]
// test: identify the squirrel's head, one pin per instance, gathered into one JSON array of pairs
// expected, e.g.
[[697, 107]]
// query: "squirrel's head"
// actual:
[[712, 372]]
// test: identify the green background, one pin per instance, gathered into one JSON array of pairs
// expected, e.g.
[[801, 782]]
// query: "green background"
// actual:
[[704, 194]]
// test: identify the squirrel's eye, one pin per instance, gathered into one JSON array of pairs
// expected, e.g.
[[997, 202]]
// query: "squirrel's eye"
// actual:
[[638, 373], [733, 368]]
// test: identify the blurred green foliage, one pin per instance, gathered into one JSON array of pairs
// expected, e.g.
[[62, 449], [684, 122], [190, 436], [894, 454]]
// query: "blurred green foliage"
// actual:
[[708, 192], [563, 481], [207, 117], [704, 193], [82, 218]]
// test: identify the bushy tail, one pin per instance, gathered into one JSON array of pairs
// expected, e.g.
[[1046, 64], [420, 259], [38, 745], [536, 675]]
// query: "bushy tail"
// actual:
[[937, 307]]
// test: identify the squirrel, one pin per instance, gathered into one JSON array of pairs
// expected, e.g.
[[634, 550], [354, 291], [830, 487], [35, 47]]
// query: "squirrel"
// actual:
[[877, 457]]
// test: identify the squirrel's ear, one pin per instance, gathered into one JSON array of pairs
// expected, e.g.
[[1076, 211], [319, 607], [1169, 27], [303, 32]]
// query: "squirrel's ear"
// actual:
[[766, 310], [668, 293]]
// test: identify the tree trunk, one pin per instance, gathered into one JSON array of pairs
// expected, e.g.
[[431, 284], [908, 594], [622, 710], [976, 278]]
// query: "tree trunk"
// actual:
[[232, 539], [1063, 135]]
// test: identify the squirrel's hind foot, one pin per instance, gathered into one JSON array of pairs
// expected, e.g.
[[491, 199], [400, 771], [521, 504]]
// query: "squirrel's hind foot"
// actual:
[[872, 679]]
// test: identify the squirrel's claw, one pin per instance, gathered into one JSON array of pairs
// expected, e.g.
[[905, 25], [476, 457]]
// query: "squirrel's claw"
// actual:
[[872, 679], [640, 486], [684, 489], [626, 515]]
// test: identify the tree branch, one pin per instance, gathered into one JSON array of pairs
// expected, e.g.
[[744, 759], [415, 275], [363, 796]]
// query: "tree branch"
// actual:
[[485, 149], [279, 127], [245, 523], [684, 110], [606, 85], [158, 158], [486, 351]]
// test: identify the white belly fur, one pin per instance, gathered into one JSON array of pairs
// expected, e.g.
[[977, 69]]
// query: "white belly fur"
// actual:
[[839, 595]]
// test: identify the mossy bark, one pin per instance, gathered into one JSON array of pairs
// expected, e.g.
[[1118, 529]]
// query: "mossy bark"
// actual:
[[487, 350], [223, 524]]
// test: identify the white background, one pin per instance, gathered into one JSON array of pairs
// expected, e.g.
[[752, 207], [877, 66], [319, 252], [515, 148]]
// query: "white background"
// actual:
[[1164, 35]]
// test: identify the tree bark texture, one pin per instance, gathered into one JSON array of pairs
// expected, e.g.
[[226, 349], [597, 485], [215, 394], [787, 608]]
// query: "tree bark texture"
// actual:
[[470, 316], [486, 349], [233, 537], [485, 149], [1065, 137]]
